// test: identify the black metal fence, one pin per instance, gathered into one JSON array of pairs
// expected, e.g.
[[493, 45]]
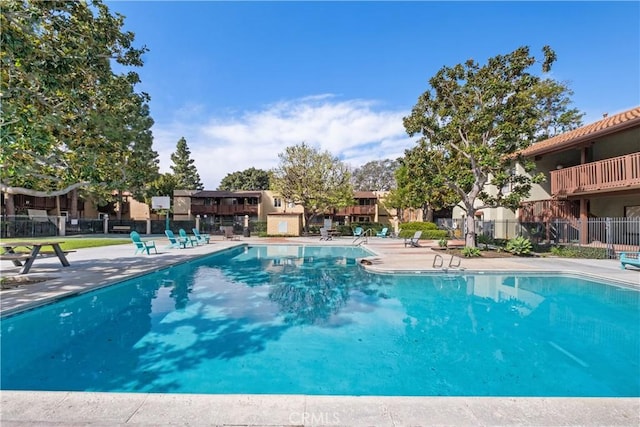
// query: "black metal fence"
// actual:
[[25, 226]]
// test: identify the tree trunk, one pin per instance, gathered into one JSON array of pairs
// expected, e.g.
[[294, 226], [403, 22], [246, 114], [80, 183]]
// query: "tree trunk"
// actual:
[[119, 206], [427, 213], [470, 237], [9, 205], [73, 204]]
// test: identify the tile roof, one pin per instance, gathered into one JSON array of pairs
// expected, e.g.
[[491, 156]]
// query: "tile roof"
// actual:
[[606, 126]]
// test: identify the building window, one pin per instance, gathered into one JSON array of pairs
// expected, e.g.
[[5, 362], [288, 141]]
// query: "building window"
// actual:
[[277, 202], [508, 187]]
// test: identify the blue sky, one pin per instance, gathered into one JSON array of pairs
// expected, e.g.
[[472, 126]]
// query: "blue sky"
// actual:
[[243, 80]]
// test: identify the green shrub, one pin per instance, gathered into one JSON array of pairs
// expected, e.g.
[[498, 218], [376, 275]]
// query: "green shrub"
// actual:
[[260, 226], [415, 226], [519, 246], [485, 240], [470, 252], [426, 234], [579, 252], [556, 250], [443, 243]]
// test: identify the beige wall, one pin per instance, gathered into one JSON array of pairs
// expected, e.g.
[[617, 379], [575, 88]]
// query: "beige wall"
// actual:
[[182, 204], [90, 211], [138, 210], [284, 224], [268, 205], [612, 206]]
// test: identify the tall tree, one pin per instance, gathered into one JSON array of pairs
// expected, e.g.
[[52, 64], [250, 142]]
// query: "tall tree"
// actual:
[[248, 179], [423, 187], [314, 179], [480, 117], [56, 60], [377, 175], [183, 167], [161, 186]]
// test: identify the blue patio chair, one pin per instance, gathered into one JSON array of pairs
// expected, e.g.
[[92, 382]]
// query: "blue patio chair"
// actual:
[[629, 258], [202, 237], [175, 242], [383, 232], [357, 232], [192, 240], [142, 245]]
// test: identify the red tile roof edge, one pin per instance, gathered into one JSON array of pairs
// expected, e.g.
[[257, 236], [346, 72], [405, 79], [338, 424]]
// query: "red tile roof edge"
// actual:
[[606, 126]]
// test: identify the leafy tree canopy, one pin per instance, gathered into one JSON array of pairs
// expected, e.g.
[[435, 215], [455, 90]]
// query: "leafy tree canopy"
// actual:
[[422, 187], [478, 117], [184, 169], [313, 179], [248, 179], [377, 175], [64, 111]]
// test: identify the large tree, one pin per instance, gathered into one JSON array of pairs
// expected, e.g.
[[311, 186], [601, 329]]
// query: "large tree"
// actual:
[[184, 169], [480, 117], [314, 179], [248, 179], [56, 66], [422, 187], [377, 175]]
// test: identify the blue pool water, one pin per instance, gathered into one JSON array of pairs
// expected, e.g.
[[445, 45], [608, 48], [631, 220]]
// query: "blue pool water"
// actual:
[[310, 320]]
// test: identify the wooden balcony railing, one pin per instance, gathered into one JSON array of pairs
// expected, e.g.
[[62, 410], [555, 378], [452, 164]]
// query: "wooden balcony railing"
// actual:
[[610, 174], [224, 209], [356, 210], [548, 210]]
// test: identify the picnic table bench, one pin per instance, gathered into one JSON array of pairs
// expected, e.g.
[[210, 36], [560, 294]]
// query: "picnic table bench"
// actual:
[[17, 258]]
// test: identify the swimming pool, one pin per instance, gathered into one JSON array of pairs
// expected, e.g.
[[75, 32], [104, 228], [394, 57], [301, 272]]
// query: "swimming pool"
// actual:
[[310, 320]]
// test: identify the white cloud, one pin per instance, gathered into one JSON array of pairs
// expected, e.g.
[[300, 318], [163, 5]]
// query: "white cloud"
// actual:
[[353, 130]]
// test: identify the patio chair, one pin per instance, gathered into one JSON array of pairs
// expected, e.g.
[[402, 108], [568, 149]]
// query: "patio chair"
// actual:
[[192, 240], [414, 241], [201, 237], [357, 232], [383, 232], [228, 233], [142, 245], [324, 234], [629, 258], [175, 242]]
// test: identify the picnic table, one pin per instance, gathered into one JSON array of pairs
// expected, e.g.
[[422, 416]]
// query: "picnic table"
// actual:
[[18, 257]]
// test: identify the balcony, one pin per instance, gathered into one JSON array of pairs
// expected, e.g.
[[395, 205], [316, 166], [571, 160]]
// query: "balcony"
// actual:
[[548, 210], [224, 209], [356, 210], [617, 173]]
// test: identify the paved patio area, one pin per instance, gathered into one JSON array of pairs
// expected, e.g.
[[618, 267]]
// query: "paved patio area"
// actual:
[[96, 267]]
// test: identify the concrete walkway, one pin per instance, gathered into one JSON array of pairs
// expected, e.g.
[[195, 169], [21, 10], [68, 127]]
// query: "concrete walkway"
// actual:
[[97, 267]]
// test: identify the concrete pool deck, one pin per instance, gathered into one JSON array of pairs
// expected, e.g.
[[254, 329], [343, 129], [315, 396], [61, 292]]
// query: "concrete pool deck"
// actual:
[[96, 267]]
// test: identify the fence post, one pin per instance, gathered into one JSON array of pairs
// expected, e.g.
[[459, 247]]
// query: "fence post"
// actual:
[[62, 225], [105, 224], [610, 252], [148, 225]]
